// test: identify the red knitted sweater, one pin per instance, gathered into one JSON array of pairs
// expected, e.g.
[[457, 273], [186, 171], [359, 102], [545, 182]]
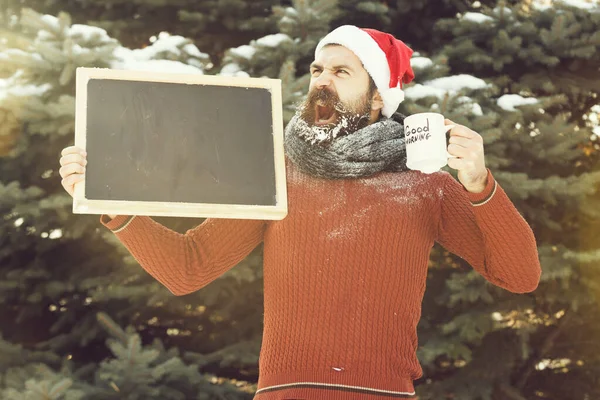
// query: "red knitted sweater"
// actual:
[[345, 273]]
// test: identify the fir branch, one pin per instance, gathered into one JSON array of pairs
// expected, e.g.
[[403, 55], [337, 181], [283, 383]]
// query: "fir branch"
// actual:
[[60, 388], [510, 392], [111, 327], [546, 346], [583, 257]]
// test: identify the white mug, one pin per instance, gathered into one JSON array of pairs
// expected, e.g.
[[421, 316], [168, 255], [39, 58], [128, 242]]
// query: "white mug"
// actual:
[[425, 139]]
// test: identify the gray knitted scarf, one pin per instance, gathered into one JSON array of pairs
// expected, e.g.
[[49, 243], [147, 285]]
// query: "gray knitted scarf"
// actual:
[[374, 148]]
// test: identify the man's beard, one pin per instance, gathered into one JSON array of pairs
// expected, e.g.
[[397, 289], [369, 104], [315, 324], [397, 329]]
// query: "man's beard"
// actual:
[[337, 119]]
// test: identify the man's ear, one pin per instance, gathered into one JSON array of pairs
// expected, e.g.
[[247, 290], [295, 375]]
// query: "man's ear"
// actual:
[[377, 103]]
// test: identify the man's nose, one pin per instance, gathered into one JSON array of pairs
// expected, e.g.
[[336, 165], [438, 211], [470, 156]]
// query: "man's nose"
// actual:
[[323, 80]]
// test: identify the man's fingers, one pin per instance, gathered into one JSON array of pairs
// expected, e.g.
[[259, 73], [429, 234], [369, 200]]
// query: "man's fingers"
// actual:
[[460, 141], [458, 151], [71, 180], [462, 131], [461, 164], [73, 161], [70, 169], [455, 163], [73, 158], [72, 150]]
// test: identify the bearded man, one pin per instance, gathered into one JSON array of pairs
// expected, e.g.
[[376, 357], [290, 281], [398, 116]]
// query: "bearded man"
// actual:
[[345, 271]]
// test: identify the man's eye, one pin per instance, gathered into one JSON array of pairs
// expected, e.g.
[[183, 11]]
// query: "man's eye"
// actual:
[[315, 71], [342, 71]]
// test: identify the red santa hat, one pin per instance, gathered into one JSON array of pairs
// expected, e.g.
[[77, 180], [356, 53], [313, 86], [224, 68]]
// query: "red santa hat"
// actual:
[[385, 58]]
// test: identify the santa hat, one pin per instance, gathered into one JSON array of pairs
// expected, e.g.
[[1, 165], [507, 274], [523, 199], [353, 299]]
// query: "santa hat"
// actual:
[[385, 58]]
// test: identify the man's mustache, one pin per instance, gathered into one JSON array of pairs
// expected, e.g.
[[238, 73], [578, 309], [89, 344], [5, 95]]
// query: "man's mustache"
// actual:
[[324, 95]]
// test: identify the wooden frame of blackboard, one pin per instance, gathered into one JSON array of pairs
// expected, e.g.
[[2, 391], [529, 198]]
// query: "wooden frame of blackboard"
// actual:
[[82, 205]]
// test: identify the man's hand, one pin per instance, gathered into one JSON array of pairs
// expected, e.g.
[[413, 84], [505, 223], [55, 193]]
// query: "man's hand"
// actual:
[[73, 161], [72, 170], [467, 146]]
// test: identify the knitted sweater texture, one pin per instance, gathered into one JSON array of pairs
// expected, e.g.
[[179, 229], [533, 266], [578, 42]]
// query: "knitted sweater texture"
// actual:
[[345, 273]]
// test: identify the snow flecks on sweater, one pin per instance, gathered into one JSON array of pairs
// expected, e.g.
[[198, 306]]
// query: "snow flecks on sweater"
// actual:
[[386, 182], [350, 227], [406, 188], [358, 202]]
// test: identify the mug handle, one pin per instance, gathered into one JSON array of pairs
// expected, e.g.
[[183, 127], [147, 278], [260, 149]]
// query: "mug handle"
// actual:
[[446, 129]]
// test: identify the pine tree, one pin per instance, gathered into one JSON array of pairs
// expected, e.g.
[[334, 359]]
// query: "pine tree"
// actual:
[[370, 14], [58, 269], [133, 371], [212, 25], [285, 55], [522, 77], [520, 73], [414, 21]]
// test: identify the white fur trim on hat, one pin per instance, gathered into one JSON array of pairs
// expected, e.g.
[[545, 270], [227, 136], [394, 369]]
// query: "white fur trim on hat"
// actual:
[[373, 59]]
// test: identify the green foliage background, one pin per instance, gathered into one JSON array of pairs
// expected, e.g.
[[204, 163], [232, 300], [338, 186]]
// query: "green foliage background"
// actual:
[[79, 319]]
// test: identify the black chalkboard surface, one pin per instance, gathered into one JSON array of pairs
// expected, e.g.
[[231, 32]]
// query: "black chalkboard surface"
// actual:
[[180, 145]]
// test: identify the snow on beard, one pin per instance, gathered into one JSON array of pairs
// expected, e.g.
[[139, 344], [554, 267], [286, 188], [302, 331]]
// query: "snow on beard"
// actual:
[[323, 117]]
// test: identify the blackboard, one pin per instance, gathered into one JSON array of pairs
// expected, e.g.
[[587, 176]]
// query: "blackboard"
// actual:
[[175, 144]]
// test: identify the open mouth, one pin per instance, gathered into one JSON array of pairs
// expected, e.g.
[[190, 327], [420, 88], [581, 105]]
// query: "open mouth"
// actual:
[[324, 115]]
